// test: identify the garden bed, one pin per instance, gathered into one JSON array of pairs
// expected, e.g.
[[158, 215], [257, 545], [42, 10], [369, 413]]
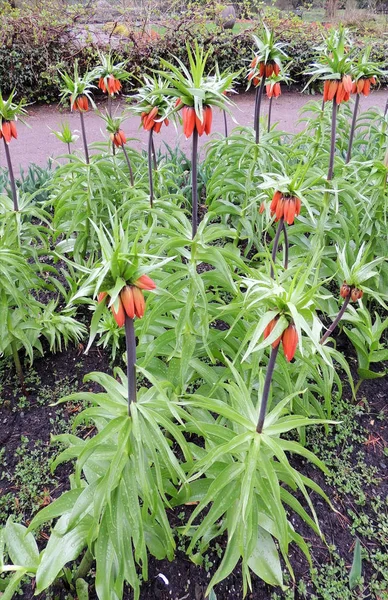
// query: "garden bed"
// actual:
[[208, 337], [358, 486]]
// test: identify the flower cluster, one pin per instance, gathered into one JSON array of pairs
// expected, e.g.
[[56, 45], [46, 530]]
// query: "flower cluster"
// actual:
[[109, 84], [352, 291], [266, 69], [149, 120], [273, 90], [118, 138], [131, 301], [338, 88], [285, 206], [362, 85], [8, 130], [289, 338], [80, 103], [191, 121]]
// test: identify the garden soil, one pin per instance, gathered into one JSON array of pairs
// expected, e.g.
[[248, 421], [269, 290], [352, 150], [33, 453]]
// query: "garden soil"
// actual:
[[181, 579], [36, 142]]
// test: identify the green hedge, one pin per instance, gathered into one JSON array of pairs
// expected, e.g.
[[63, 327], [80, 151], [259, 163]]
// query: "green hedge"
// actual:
[[33, 47]]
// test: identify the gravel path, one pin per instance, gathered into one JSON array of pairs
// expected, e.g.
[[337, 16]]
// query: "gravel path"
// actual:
[[36, 142]]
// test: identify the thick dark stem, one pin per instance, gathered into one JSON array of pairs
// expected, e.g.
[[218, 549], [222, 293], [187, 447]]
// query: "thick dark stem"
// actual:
[[18, 367], [150, 169], [154, 156], [130, 342], [225, 124], [110, 105], [286, 245], [68, 148], [81, 114], [11, 177], [259, 97], [332, 143], [269, 114], [194, 183], [336, 321], [267, 385], [353, 128], [128, 164], [323, 105], [386, 109], [276, 245]]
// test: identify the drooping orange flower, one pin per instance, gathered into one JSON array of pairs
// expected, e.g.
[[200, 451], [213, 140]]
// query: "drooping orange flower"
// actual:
[[148, 119], [290, 342], [109, 84], [340, 89], [362, 85], [6, 131], [273, 91], [133, 301], [191, 121], [265, 70], [268, 330], [118, 138], [145, 283], [285, 206], [81, 103]]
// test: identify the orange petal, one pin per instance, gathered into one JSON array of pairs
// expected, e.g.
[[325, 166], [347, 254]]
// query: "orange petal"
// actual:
[[208, 119], [366, 90], [14, 133], [333, 85], [268, 330], [139, 302], [119, 316], [158, 126], [128, 302], [200, 125], [275, 199]]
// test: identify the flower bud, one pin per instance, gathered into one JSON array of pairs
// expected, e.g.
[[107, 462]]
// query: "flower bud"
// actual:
[[345, 290], [290, 342], [356, 294]]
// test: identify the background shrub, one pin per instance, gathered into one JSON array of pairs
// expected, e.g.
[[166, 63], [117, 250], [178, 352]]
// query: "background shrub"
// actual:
[[33, 45]]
